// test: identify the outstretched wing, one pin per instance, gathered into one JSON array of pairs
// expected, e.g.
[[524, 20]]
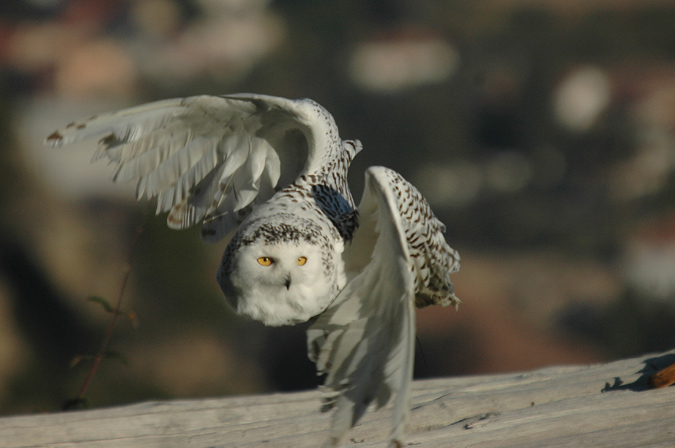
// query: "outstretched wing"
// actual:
[[206, 158], [364, 342]]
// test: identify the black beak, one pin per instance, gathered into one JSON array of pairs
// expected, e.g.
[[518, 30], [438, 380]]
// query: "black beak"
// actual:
[[288, 283]]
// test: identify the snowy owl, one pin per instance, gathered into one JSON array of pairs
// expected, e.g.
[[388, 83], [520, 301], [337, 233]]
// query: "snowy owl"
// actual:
[[301, 252]]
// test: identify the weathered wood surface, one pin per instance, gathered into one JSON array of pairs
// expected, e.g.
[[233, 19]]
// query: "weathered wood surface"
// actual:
[[605, 405]]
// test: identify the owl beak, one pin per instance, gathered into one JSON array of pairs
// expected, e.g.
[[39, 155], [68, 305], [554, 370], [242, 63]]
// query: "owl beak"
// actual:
[[287, 283]]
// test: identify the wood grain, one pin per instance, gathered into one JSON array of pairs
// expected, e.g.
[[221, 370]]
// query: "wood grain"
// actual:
[[604, 405]]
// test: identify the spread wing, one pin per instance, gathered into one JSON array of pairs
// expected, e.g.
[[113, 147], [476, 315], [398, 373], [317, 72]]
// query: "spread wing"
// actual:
[[206, 158], [364, 343]]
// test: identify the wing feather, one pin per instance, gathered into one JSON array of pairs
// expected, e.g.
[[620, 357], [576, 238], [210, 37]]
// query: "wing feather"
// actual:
[[207, 158], [364, 342], [143, 155]]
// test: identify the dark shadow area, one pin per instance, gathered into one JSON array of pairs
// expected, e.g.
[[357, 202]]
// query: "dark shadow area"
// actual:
[[652, 365], [51, 328], [630, 326], [285, 360]]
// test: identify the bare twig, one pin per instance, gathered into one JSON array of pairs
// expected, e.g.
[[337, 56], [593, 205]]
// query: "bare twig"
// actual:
[[80, 400]]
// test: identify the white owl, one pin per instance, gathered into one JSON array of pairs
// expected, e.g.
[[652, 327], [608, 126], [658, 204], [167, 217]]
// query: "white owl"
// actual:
[[301, 252]]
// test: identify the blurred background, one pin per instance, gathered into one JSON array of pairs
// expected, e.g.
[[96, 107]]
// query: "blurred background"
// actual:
[[541, 132]]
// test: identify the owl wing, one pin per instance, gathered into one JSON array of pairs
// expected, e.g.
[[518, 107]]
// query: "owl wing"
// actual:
[[205, 158], [364, 342]]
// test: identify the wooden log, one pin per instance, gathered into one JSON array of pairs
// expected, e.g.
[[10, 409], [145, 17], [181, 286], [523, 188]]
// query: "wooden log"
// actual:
[[604, 405]]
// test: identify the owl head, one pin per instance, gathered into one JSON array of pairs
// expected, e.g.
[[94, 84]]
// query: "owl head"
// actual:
[[279, 270]]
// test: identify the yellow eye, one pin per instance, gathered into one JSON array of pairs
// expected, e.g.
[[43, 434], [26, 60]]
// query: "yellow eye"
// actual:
[[302, 261], [264, 261]]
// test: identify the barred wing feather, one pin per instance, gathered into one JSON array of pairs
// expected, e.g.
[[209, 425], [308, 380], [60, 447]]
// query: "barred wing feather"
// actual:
[[364, 343]]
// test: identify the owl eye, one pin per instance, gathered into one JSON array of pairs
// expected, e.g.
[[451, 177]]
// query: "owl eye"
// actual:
[[302, 261], [265, 261]]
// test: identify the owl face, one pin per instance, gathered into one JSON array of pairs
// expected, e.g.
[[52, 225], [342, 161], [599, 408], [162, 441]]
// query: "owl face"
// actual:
[[277, 283]]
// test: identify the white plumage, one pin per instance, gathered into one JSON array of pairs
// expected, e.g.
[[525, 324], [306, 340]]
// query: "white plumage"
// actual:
[[301, 252]]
